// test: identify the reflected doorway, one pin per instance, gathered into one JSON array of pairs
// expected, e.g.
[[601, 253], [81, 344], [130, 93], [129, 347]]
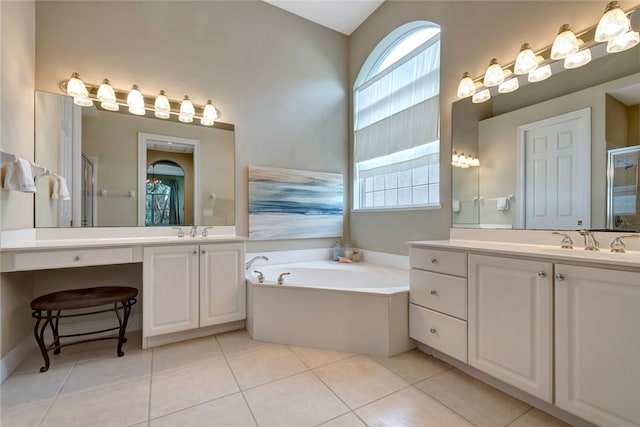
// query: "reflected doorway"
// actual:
[[165, 194]]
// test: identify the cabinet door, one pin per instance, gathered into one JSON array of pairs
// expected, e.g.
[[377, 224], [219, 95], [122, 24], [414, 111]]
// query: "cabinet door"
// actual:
[[222, 283], [598, 344], [510, 321], [170, 289]]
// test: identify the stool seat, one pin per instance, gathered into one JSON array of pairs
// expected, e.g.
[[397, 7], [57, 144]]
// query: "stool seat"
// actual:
[[83, 298]]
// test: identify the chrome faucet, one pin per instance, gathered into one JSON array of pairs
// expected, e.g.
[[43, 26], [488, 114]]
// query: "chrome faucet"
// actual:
[[205, 233], [566, 242], [618, 245], [180, 232], [590, 241], [281, 278], [194, 231], [254, 259]]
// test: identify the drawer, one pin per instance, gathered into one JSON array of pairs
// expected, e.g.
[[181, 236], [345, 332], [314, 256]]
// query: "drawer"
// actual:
[[439, 261], [440, 292], [442, 332], [39, 260]]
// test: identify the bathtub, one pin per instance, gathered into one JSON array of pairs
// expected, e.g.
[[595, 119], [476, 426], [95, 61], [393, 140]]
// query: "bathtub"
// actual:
[[359, 308]]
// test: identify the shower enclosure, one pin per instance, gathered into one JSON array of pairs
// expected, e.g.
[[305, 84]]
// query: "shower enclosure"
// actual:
[[623, 206]]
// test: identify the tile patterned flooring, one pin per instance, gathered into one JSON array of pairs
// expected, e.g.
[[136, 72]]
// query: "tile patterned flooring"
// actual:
[[232, 380]]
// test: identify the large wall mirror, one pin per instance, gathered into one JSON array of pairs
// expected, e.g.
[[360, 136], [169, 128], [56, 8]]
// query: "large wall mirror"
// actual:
[[559, 154], [125, 170]]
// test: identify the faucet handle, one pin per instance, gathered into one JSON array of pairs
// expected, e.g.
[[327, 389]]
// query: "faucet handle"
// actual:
[[205, 233], [618, 245], [180, 232], [260, 276], [566, 242]]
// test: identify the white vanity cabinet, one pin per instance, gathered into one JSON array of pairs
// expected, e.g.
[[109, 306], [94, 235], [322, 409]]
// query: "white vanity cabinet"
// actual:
[[191, 286], [438, 300], [510, 321], [597, 336]]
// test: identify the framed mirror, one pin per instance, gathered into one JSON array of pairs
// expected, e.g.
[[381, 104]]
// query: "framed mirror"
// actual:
[[104, 158], [543, 150]]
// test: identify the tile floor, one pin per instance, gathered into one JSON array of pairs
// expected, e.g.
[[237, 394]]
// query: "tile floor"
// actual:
[[232, 380]]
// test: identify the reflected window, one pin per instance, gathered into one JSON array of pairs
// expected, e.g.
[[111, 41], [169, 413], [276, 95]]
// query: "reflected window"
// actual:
[[397, 119], [164, 203]]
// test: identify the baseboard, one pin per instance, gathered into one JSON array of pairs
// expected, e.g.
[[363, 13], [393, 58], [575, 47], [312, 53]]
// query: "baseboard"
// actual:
[[20, 352], [154, 341]]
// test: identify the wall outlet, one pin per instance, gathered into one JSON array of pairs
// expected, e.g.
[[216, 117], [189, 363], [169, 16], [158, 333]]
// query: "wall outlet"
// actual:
[[207, 212]]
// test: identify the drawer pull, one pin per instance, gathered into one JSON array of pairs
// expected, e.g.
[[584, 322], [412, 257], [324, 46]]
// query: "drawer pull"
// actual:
[[434, 261], [433, 292], [542, 274], [559, 277], [433, 330], [76, 258]]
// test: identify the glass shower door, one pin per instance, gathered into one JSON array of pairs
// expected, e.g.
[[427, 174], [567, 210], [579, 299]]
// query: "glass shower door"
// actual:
[[623, 205]]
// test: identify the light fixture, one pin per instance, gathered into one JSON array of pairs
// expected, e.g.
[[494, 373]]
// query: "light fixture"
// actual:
[[187, 111], [475, 162], [466, 87], [494, 74], [623, 42], [509, 85], [565, 43], [76, 87], [209, 114], [162, 106], [613, 23], [481, 96], [454, 158], [83, 102], [135, 101], [526, 60], [577, 59], [462, 161], [107, 96], [153, 182], [540, 74]]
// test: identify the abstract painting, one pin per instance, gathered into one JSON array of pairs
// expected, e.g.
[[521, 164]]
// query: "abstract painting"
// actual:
[[294, 204]]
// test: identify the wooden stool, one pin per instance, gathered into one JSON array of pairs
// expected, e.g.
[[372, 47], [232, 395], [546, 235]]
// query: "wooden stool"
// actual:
[[121, 297]]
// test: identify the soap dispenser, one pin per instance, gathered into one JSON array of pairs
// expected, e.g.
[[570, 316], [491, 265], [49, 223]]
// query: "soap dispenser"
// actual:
[[336, 252]]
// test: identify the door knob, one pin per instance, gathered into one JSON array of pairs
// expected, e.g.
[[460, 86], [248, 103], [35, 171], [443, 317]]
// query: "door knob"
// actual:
[[559, 277]]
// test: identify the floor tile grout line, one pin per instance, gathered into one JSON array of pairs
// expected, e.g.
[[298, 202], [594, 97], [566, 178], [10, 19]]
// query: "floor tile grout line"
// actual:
[[275, 380], [53, 401], [150, 389], [348, 356], [447, 406], [192, 406], [531, 408]]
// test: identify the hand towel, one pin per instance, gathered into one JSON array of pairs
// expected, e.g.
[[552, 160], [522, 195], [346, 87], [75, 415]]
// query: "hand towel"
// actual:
[[59, 188], [18, 177], [64, 190], [455, 205], [502, 203]]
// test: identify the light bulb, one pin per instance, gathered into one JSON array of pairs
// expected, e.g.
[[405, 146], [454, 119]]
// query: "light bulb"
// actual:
[[462, 159], [494, 74], [540, 74], [481, 96], [162, 106], [186, 110], [135, 101], [565, 43], [76, 87], [106, 92], [613, 23], [209, 114], [526, 60], [578, 59], [509, 85], [476, 162], [82, 101], [623, 42], [466, 87]]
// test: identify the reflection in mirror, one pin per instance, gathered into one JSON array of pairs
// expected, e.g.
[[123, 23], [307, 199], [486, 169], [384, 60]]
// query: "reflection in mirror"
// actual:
[[164, 204], [507, 173], [98, 152]]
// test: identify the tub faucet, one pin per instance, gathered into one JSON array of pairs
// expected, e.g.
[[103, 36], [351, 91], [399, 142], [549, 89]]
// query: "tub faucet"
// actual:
[[590, 241], [281, 278], [254, 259], [194, 231]]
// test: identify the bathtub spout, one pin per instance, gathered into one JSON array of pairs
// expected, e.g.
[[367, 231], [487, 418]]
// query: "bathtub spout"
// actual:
[[254, 259]]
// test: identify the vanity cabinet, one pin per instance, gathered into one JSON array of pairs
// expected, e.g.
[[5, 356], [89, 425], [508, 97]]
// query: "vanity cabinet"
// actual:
[[597, 336], [510, 321], [438, 300], [191, 286]]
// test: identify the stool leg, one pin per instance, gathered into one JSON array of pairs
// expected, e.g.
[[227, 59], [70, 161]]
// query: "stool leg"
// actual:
[[126, 308], [39, 335], [56, 334]]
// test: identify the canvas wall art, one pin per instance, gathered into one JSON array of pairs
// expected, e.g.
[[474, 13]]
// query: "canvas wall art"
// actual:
[[294, 204]]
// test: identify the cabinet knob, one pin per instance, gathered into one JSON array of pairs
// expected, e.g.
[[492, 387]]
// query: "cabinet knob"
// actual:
[[195, 252], [559, 277], [434, 261], [433, 330], [76, 258], [203, 252], [433, 292], [542, 274]]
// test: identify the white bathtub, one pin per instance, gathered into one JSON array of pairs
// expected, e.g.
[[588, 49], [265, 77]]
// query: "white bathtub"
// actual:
[[324, 304]]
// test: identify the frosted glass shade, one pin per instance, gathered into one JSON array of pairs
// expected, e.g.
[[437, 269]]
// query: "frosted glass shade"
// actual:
[[623, 42], [209, 114], [613, 23], [494, 74], [106, 93], [466, 87], [135, 99], [565, 43], [509, 85], [162, 106], [186, 110], [82, 101], [111, 106], [526, 60], [481, 96], [578, 59], [540, 74], [76, 87]]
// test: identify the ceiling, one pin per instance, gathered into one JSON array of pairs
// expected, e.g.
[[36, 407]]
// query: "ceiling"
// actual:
[[343, 16]]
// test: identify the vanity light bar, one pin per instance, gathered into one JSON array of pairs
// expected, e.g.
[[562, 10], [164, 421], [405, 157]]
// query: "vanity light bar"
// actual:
[[614, 28], [85, 94]]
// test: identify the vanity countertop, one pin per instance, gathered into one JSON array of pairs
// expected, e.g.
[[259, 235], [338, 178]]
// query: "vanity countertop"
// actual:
[[547, 252]]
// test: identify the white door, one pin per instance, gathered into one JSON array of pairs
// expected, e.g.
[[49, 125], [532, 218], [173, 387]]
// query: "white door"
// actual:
[[555, 172], [510, 322], [222, 284], [598, 344], [170, 289]]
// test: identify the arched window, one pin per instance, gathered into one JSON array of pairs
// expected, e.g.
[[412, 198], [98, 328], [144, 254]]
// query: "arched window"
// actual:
[[396, 121]]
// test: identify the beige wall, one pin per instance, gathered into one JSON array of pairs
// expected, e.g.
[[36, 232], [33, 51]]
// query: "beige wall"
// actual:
[[633, 128], [617, 124], [472, 33]]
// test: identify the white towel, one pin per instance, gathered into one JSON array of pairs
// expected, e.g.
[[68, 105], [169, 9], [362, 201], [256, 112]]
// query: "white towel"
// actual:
[[59, 188], [502, 203], [18, 177], [455, 205]]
